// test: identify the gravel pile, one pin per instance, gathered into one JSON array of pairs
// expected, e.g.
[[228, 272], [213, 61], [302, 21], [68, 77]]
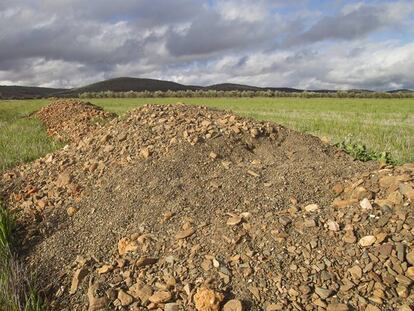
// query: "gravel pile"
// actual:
[[71, 120], [189, 208]]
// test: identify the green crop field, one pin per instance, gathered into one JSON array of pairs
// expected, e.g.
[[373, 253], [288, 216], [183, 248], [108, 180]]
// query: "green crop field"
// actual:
[[380, 124]]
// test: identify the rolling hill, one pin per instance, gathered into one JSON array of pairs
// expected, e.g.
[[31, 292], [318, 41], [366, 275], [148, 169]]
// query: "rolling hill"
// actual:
[[26, 92], [125, 84]]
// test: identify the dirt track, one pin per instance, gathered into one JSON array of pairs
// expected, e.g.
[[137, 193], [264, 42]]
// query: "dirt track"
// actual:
[[152, 208]]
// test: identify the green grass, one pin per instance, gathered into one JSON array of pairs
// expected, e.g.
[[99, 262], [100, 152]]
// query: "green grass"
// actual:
[[22, 139], [382, 125], [16, 286]]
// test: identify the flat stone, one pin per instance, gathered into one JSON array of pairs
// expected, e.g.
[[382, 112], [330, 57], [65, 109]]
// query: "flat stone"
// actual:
[[233, 305], [184, 233], [323, 292], [337, 307], [312, 208], [124, 298], [160, 296], [367, 240]]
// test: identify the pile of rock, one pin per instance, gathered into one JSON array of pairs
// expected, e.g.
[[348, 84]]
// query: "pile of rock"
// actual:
[[189, 208], [71, 120]]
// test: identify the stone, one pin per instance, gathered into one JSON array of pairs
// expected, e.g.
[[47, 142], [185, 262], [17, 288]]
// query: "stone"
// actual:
[[410, 273], [367, 240], [104, 269], [71, 211], [63, 179], [78, 276], [403, 280], [349, 237], [410, 258], [372, 308], [145, 153], [125, 245], [124, 298], [356, 272], [160, 297], [96, 303], [275, 307], [213, 155], [333, 225], [184, 233], [337, 307], [323, 292], [365, 204], [405, 308], [145, 261], [206, 299], [233, 305], [312, 208], [233, 221], [172, 306], [140, 291]]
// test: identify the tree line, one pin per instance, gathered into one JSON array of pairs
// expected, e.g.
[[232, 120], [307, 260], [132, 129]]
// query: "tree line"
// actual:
[[261, 93]]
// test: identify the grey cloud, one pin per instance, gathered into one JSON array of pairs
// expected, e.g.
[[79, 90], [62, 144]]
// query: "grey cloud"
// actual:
[[357, 23]]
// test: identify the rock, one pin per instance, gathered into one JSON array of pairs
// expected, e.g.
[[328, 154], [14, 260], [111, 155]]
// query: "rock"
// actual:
[[323, 292], [338, 189], [145, 153], [372, 308], [410, 258], [160, 297], [356, 272], [124, 298], [337, 307], [410, 273], [213, 155], [275, 307], [233, 221], [71, 211], [172, 306], [184, 233], [312, 208], [365, 204], [233, 305], [125, 245], [367, 240], [403, 280], [141, 291], [63, 179], [405, 308], [78, 276], [402, 291], [349, 237], [252, 173], [333, 225], [145, 261], [104, 269], [207, 300], [96, 303]]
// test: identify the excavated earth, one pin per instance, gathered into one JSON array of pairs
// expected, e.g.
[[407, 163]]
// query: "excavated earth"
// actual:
[[175, 207]]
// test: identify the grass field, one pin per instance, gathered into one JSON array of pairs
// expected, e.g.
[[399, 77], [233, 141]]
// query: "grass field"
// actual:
[[380, 124]]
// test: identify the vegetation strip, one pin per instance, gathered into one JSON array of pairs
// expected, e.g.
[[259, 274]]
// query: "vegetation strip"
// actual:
[[16, 287]]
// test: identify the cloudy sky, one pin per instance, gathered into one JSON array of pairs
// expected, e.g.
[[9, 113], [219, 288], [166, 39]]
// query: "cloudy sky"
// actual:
[[337, 44]]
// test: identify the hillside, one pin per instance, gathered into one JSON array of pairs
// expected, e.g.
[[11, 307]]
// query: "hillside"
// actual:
[[25, 92], [125, 84]]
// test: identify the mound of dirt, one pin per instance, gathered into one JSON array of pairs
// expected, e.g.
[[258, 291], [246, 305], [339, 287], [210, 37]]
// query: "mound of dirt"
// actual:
[[71, 120], [189, 208]]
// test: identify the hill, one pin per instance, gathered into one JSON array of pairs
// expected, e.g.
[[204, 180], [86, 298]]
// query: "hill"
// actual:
[[125, 84], [26, 92]]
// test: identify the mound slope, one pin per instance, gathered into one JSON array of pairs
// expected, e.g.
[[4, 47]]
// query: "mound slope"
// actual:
[[176, 207], [71, 119]]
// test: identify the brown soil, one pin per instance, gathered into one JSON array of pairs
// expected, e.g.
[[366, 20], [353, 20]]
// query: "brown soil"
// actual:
[[170, 201]]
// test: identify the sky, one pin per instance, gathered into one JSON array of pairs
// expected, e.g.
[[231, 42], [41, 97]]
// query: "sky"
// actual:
[[309, 44]]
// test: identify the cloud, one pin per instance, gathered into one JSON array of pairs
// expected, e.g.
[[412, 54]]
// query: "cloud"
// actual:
[[356, 21], [65, 43]]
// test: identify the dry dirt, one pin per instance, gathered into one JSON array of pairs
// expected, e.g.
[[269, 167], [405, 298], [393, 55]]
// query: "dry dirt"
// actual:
[[188, 208]]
